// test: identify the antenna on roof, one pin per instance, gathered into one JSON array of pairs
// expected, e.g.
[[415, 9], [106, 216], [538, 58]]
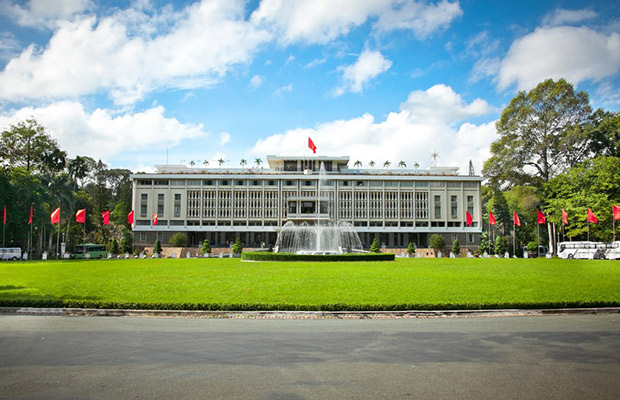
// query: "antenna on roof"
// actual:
[[434, 158], [471, 168]]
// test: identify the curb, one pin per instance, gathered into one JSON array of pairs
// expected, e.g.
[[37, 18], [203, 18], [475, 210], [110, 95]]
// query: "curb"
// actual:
[[94, 312]]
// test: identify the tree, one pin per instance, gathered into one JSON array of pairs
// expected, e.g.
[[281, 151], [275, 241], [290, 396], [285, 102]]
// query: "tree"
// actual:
[[387, 164], [192, 163], [499, 207], [357, 164], [127, 241], [179, 239], [237, 247], [375, 247], [221, 162], [437, 243], [411, 248], [28, 145], [114, 249], [157, 247], [416, 165], [206, 247], [537, 135], [486, 245], [603, 130], [371, 164], [456, 248], [205, 163], [258, 162], [501, 245], [243, 162], [402, 164]]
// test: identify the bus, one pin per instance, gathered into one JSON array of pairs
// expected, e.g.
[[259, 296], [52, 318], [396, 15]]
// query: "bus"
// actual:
[[613, 251], [10, 253], [90, 250], [583, 250]]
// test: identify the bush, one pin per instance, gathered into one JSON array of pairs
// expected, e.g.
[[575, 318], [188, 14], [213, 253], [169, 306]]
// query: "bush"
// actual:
[[501, 245], [456, 249], [411, 248], [237, 247], [179, 239], [374, 247], [126, 242], [157, 247], [437, 243], [265, 256], [206, 247]]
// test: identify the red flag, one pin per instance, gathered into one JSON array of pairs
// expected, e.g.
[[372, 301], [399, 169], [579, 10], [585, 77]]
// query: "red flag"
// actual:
[[491, 218], [616, 212], [468, 218], [516, 218], [106, 217], [541, 217], [80, 216], [130, 217], [311, 145], [55, 216], [4, 218], [30, 219], [564, 217], [591, 217], [154, 219]]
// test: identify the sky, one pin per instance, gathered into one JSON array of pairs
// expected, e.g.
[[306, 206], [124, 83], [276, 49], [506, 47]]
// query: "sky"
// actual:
[[148, 82]]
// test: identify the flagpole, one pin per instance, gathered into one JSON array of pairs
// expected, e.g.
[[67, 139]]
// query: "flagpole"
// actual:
[[58, 240], [514, 240], [538, 238]]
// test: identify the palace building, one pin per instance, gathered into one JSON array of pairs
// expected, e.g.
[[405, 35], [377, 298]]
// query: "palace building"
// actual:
[[395, 206]]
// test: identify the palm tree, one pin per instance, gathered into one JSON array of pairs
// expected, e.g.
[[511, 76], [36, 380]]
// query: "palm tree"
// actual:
[[402, 164], [387, 164], [221, 161], [243, 162], [416, 165], [205, 163], [192, 163], [258, 162], [357, 164], [372, 164]]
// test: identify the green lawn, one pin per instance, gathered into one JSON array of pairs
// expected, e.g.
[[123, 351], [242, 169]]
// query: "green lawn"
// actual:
[[232, 284]]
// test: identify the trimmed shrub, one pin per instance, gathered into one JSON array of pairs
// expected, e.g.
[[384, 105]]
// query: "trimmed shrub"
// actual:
[[266, 256], [411, 248], [374, 247], [437, 243], [157, 247], [206, 247], [179, 239], [456, 249], [237, 247]]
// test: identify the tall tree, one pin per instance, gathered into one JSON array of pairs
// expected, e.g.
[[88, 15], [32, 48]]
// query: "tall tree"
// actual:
[[538, 135]]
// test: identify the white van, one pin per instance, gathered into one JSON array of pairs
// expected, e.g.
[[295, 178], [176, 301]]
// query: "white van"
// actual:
[[583, 250], [613, 251], [10, 253]]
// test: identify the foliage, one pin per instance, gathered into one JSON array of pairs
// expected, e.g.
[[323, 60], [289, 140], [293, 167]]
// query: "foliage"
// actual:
[[375, 247], [179, 239], [411, 248], [456, 248], [237, 247], [157, 247], [267, 256], [437, 243], [406, 284], [532, 247], [502, 245], [206, 247], [540, 135], [486, 245], [115, 248], [126, 242]]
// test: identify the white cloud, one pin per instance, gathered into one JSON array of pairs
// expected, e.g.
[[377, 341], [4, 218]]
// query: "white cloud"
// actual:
[[427, 120], [256, 81], [102, 134], [573, 53], [357, 75], [44, 13], [200, 44], [562, 16], [282, 90], [319, 21], [224, 138]]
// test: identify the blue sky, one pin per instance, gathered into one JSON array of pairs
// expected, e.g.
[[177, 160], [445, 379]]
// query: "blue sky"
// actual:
[[384, 80]]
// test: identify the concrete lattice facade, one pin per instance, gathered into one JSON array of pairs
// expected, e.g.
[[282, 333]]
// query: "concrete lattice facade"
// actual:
[[395, 206]]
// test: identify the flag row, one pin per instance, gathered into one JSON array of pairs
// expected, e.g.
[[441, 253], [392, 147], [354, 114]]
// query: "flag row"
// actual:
[[541, 218], [80, 216]]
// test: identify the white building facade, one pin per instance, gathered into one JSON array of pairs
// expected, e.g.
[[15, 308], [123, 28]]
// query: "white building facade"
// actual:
[[396, 206]]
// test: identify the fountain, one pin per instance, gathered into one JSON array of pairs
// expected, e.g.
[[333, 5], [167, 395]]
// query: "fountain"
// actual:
[[320, 238]]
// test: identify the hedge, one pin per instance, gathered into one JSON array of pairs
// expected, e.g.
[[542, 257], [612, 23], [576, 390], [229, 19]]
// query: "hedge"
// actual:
[[266, 256], [93, 304]]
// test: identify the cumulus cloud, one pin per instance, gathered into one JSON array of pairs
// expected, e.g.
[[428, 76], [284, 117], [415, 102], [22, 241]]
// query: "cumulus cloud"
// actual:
[[103, 134], [282, 90], [561, 16], [43, 13], [357, 75], [427, 120], [256, 81], [573, 53], [200, 44], [319, 21], [224, 138]]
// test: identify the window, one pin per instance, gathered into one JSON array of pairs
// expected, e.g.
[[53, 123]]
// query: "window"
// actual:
[[292, 207], [177, 205], [239, 183], [360, 183], [224, 183], [143, 204], [454, 209], [193, 182], [207, 182], [470, 205], [271, 183], [177, 182], [376, 183], [406, 184], [309, 183], [160, 237], [290, 183], [454, 184], [470, 237], [421, 184], [161, 182], [143, 236], [256, 183], [160, 204], [391, 183], [290, 165], [145, 182], [438, 184], [437, 201], [344, 183]]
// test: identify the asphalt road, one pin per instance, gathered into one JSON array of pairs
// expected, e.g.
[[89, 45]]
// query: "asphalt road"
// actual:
[[542, 357]]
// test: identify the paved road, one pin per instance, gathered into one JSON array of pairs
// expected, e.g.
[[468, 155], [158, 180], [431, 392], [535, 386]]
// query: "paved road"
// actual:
[[551, 357]]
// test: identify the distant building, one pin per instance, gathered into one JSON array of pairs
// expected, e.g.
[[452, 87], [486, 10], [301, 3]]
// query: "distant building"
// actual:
[[395, 206]]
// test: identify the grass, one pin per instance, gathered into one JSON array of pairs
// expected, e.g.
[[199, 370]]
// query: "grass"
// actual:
[[232, 284]]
